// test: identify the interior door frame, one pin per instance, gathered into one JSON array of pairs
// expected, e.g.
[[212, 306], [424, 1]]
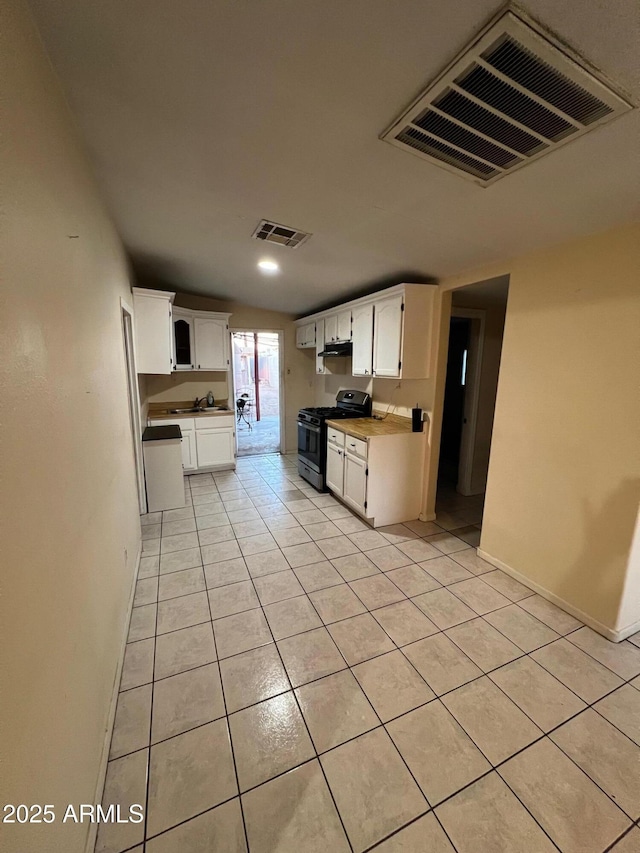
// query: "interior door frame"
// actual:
[[133, 396], [281, 385], [472, 395]]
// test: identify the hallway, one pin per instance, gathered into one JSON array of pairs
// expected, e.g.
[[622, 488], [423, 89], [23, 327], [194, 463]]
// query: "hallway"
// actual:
[[355, 685]]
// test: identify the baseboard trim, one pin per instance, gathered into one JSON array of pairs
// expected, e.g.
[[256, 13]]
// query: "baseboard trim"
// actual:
[[427, 516], [613, 634], [106, 746], [629, 631]]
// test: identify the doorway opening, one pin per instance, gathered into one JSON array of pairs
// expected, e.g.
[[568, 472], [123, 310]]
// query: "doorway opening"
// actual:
[[475, 343], [257, 384], [133, 397]]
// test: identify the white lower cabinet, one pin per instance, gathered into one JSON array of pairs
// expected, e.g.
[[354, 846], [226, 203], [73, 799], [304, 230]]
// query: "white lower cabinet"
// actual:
[[355, 483], [189, 458], [215, 447], [205, 445], [334, 477], [379, 477]]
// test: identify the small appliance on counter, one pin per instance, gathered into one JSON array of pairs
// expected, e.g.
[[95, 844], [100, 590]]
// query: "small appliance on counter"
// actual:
[[162, 452], [312, 432]]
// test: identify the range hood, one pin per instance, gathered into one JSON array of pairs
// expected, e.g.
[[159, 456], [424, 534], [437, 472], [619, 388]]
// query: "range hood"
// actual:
[[337, 350]]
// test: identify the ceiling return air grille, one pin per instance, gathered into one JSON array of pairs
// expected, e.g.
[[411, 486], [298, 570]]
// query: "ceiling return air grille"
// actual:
[[511, 97], [271, 232]]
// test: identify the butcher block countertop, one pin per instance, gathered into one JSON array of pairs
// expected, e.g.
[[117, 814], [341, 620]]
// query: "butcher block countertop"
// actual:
[[162, 411], [366, 427]]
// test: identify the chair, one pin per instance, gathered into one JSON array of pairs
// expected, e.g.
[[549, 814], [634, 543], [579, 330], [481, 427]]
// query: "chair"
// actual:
[[243, 410]]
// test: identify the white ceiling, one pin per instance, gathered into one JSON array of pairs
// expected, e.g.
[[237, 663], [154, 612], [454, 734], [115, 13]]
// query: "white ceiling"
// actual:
[[201, 118]]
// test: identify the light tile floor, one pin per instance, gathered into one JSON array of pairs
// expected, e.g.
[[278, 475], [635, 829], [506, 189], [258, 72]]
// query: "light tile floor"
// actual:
[[296, 682]]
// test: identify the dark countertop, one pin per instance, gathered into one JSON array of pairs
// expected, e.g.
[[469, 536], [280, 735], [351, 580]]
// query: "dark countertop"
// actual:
[[162, 433]]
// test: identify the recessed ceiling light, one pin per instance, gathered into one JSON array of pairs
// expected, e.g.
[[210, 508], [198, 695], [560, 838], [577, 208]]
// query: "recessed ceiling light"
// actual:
[[268, 266]]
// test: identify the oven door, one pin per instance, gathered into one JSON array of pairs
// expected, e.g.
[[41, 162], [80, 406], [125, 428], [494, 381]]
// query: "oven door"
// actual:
[[309, 445]]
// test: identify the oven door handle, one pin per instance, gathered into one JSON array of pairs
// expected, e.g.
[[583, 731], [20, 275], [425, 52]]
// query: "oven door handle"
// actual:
[[309, 427]]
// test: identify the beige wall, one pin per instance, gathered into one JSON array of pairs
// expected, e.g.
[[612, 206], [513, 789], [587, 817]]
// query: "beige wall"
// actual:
[[564, 475], [69, 524], [298, 367]]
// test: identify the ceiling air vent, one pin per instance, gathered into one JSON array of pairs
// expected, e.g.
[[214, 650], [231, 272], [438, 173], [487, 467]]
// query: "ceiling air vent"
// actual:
[[281, 234], [511, 97]]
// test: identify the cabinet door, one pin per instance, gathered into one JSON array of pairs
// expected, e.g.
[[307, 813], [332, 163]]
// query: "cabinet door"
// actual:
[[215, 447], [335, 469], [320, 366], [331, 329], [300, 336], [310, 335], [387, 337], [362, 340], [344, 326], [153, 334], [211, 344], [183, 345], [355, 482], [189, 458]]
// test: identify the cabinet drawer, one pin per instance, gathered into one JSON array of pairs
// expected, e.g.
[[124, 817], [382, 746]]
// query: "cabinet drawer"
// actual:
[[184, 423], [356, 446], [215, 422], [334, 436]]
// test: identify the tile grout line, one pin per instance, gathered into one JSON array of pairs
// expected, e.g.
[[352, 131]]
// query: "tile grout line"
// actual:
[[153, 690], [228, 727], [526, 654], [295, 699]]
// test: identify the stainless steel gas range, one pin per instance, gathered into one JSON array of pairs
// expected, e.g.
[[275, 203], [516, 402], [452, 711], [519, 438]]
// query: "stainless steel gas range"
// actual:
[[312, 432]]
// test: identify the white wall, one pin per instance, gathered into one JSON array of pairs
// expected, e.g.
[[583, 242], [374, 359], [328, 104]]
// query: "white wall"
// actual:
[[69, 524]]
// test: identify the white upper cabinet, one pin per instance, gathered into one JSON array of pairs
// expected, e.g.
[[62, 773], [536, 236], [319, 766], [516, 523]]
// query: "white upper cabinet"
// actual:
[[344, 326], [170, 338], [387, 336], [391, 331], [331, 328], [306, 336], [183, 340], [153, 330], [320, 365], [211, 342], [362, 356]]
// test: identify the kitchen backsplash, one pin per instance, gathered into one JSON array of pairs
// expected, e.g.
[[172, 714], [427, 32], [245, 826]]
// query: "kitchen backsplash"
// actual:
[[186, 386], [385, 392]]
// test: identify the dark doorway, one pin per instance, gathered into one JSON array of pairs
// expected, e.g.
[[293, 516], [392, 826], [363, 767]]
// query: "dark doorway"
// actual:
[[453, 412]]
